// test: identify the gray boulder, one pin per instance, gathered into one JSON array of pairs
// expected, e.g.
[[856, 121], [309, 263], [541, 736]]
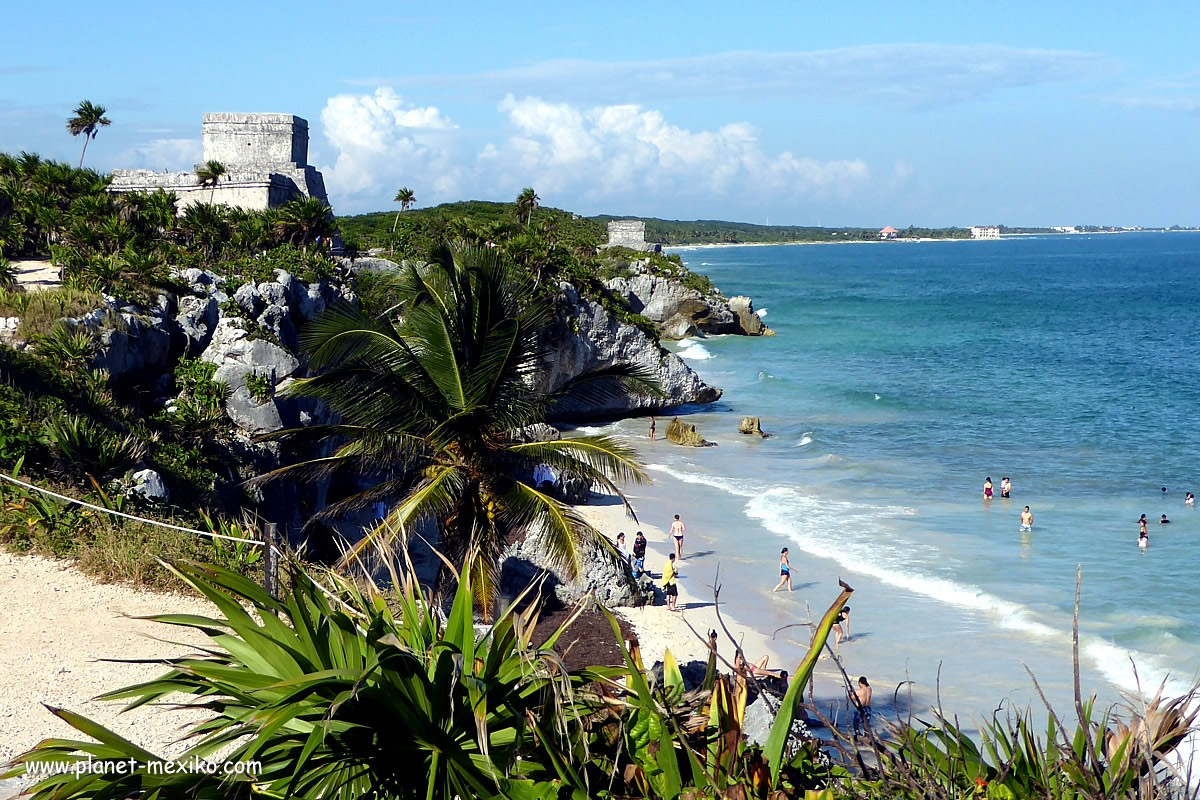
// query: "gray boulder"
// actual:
[[538, 432], [140, 344], [749, 323], [149, 486], [237, 356], [197, 319], [596, 339], [602, 572], [278, 320], [248, 300], [680, 326]]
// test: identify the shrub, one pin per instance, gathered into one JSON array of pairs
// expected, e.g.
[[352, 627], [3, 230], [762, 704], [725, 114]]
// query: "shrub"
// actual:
[[260, 387], [41, 312], [72, 347], [82, 447]]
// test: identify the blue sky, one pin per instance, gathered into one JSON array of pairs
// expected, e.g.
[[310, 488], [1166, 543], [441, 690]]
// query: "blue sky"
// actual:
[[800, 113]]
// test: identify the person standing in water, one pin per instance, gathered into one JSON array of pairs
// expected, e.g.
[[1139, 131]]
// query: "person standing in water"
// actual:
[[652, 429], [1143, 538], [677, 533], [987, 488], [785, 572], [1026, 520], [1189, 499], [840, 632], [1005, 488], [670, 585]]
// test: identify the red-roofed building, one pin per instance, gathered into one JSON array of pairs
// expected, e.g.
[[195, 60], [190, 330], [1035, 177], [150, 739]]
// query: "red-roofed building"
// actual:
[[889, 233]]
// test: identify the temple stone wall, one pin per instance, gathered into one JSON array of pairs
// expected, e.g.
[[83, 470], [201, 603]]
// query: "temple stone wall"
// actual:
[[630, 233], [265, 157]]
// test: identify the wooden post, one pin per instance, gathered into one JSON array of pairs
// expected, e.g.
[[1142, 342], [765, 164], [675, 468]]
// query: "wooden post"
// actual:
[[270, 565]]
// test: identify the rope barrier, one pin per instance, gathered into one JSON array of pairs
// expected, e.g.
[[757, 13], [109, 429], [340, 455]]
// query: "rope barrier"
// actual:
[[104, 510]]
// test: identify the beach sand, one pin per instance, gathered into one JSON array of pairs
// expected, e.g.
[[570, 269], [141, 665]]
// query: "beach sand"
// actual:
[[56, 628]]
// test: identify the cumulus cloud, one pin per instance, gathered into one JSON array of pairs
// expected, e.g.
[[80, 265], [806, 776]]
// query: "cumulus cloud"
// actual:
[[162, 154], [576, 154], [617, 151], [896, 75], [379, 138]]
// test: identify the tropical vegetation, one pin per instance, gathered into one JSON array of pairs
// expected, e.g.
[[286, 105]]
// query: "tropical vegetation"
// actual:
[[431, 398], [86, 121]]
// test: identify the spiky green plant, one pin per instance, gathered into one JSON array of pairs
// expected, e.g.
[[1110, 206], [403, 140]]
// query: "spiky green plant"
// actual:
[[82, 447], [341, 695], [432, 408]]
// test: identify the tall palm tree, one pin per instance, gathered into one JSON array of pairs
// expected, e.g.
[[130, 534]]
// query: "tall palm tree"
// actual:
[[429, 408], [405, 198], [87, 120], [305, 220], [527, 201], [209, 175]]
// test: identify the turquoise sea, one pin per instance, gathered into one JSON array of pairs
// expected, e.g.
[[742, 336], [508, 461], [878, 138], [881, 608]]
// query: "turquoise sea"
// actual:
[[902, 376]]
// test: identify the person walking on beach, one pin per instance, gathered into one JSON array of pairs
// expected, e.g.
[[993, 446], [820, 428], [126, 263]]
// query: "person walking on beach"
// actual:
[[785, 572], [860, 698], [839, 632], [677, 533], [639, 554], [987, 488], [1005, 488], [1026, 520], [670, 586], [652, 429]]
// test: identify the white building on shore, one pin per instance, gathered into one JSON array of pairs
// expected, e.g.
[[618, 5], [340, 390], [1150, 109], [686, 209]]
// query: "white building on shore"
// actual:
[[985, 232]]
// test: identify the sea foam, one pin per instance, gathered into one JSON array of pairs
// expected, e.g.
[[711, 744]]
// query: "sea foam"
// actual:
[[693, 350]]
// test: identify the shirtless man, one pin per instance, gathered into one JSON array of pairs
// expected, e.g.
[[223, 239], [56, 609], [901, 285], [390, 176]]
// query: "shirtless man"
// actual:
[[1005, 488], [1026, 520], [860, 698], [677, 534]]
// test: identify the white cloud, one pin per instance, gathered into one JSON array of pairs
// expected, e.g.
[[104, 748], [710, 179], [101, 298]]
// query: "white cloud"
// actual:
[[575, 156], [379, 140], [162, 154], [897, 75], [623, 151]]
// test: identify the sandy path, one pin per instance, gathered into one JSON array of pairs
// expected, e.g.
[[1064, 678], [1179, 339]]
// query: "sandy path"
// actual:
[[55, 625], [37, 274]]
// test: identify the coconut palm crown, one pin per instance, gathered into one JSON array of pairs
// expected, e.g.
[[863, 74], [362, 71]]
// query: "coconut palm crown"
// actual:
[[87, 120], [431, 407]]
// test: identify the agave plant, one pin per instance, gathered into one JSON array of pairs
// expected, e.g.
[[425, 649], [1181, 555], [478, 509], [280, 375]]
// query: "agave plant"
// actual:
[[341, 694], [82, 447]]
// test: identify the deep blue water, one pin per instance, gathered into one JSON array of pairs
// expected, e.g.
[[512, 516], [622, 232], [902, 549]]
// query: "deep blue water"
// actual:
[[903, 375]]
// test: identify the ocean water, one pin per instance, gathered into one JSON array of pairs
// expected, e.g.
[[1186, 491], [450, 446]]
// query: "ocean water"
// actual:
[[902, 376]]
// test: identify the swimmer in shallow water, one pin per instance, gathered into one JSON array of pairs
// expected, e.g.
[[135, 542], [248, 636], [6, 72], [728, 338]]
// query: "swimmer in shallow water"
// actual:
[[987, 488], [1143, 539], [1026, 520], [1005, 488], [1164, 521]]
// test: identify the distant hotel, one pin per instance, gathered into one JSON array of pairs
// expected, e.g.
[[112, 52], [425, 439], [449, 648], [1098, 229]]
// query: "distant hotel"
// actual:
[[985, 232]]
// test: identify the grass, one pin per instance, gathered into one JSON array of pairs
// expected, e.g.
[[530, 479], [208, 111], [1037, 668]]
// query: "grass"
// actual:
[[40, 312]]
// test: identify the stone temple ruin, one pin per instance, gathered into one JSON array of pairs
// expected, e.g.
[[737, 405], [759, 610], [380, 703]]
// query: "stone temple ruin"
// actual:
[[630, 233], [265, 158]]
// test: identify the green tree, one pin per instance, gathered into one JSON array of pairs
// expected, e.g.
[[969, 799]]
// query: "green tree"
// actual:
[[405, 198], [87, 120], [432, 408], [305, 220], [527, 201], [209, 175]]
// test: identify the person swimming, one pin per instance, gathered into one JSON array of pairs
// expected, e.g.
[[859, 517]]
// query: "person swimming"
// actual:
[[1189, 499], [1164, 521]]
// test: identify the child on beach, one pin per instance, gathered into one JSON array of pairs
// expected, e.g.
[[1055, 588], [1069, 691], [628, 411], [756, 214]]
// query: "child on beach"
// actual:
[[669, 586], [785, 571]]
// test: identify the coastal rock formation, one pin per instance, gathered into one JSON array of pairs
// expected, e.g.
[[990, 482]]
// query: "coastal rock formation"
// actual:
[[751, 427], [594, 338], [603, 573], [681, 311], [149, 486], [684, 434]]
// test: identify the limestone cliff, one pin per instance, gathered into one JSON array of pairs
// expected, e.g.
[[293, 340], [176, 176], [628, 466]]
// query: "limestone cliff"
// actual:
[[590, 337]]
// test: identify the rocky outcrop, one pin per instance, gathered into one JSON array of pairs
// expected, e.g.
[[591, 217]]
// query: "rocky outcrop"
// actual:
[[751, 427], [680, 311], [602, 573], [590, 338], [242, 360], [748, 319], [684, 434]]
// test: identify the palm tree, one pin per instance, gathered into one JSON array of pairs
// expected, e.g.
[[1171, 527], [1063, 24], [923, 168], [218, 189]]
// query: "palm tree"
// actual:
[[405, 198], [88, 120], [429, 408], [527, 201], [305, 220], [209, 175]]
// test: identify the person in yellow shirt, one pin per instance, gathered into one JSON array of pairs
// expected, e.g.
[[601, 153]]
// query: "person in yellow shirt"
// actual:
[[669, 585]]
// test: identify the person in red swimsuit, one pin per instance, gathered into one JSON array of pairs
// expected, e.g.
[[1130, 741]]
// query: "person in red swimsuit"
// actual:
[[987, 488]]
